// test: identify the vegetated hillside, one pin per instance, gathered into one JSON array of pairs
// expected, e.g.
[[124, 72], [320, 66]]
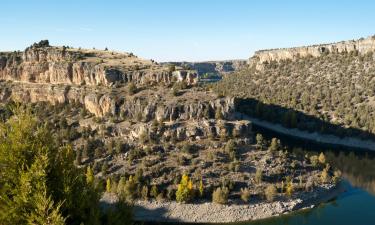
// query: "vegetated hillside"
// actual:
[[330, 93], [142, 128], [213, 68]]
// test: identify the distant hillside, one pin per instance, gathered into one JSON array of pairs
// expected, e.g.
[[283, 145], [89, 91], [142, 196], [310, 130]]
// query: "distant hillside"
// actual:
[[325, 88], [213, 67]]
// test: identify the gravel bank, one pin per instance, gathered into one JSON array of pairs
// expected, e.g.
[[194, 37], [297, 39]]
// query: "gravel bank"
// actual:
[[214, 213], [315, 136]]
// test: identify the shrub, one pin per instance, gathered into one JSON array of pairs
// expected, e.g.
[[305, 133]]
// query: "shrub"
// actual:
[[336, 176], [275, 144], [130, 189], [245, 194], [322, 158], [260, 141], [324, 176], [289, 189], [144, 193], [132, 88], [154, 191], [258, 176], [270, 192], [220, 195], [314, 160], [218, 114], [108, 185], [201, 188]]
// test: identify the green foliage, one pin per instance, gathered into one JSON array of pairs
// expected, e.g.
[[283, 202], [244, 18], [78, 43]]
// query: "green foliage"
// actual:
[[30, 162]]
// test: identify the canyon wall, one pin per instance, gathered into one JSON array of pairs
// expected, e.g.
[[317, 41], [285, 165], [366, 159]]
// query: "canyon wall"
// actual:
[[362, 46], [82, 67], [213, 67]]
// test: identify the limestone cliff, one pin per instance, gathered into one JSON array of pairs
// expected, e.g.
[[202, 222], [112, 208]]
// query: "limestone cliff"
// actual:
[[362, 46], [61, 65]]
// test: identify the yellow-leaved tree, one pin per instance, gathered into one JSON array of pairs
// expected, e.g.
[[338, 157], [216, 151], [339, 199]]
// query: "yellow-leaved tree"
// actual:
[[185, 190]]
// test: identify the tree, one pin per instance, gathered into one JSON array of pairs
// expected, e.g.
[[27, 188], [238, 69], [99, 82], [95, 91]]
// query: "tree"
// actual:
[[144, 193], [185, 190], [258, 176], [39, 182], [289, 189], [275, 145], [154, 191], [260, 141]]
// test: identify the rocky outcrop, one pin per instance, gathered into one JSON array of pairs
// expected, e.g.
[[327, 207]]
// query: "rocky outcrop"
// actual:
[[362, 46], [85, 67], [199, 129], [213, 67], [103, 103]]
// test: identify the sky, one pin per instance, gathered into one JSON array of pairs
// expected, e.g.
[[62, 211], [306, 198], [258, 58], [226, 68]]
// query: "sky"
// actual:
[[184, 30]]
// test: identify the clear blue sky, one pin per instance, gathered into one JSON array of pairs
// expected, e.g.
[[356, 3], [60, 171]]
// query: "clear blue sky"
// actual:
[[194, 30]]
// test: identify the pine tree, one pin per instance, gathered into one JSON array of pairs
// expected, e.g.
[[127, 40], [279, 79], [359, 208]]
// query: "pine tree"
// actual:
[[39, 182]]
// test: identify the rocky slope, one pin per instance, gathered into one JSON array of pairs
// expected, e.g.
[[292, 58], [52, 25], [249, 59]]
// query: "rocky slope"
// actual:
[[323, 88], [140, 126]]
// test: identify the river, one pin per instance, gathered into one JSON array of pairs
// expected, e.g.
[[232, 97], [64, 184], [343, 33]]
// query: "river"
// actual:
[[356, 206]]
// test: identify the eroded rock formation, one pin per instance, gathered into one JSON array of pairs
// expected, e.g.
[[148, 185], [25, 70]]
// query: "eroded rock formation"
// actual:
[[362, 46]]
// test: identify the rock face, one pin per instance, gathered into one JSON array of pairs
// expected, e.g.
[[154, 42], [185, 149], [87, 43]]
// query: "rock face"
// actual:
[[213, 67], [56, 65], [362, 46]]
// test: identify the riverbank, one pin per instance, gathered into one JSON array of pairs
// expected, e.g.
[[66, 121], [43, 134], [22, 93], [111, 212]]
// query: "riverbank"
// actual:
[[313, 136], [208, 212]]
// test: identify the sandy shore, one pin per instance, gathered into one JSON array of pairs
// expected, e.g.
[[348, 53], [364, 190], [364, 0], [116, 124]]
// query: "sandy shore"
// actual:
[[234, 212]]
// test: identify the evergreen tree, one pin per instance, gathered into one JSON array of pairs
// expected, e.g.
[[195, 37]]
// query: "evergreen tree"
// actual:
[[39, 183]]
